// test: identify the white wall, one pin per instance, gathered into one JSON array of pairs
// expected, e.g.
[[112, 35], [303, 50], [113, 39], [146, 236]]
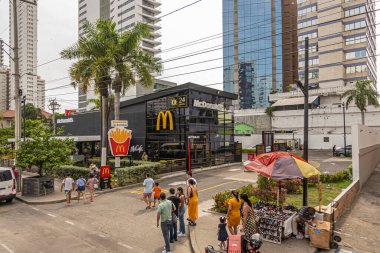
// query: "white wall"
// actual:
[[316, 141], [365, 151]]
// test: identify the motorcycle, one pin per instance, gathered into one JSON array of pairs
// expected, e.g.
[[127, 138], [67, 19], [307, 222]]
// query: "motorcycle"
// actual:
[[251, 246]]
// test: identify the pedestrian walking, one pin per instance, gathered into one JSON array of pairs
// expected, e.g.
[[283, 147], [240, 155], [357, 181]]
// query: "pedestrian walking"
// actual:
[[68, 185], [181, 211], [148, 189], [222, 233], [94, 170], [192, 196], [173, 228], [189, 176], [157, 191], [92, 184], [248, 219], [333, 150], [233, 213], [81, 188], [164, 213]]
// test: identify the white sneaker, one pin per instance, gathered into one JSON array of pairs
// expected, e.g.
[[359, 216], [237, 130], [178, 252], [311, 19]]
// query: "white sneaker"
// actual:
[[181, 235]]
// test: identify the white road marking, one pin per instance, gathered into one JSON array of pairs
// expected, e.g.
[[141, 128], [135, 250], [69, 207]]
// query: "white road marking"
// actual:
[[102, 236], [124, 245], [248, 180], [69, 222], [36, 209], [5, 247], [234, 169], [52, 215], [178, 183]]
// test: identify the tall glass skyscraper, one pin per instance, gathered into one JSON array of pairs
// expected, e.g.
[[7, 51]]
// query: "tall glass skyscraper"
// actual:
[[261, 34]]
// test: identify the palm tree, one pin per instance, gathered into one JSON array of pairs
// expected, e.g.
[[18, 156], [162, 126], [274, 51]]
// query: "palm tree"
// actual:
[[97, 105], [93, 52], [131, 63], [363, 94]]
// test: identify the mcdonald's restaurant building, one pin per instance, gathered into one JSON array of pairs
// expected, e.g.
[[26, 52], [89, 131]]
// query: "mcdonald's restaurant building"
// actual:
[[186, 121]]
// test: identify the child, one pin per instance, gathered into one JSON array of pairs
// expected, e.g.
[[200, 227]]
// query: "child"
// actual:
[[157, 192], [68, 184], [81, 188], [92, 184], [222, 233]]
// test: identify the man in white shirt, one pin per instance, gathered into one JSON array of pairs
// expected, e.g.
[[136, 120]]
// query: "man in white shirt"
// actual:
[[189, 176], [68, 185], [148, 189]]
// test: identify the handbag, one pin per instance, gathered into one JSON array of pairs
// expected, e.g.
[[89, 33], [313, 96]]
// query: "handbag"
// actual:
[[191, 193], [174, 218], [96, 184]]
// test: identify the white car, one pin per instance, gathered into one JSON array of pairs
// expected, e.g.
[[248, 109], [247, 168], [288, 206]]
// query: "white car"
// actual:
[[7, 185]]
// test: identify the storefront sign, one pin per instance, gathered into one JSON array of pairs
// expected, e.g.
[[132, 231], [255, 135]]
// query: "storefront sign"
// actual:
[[178, 101], [164, 117], [137, 148], [205, 105], [121, 123], [65, 121], [119, 139], [105, 171]]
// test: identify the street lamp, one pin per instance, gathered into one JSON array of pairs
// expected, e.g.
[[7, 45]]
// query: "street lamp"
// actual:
[[23, 101], [343, 105]]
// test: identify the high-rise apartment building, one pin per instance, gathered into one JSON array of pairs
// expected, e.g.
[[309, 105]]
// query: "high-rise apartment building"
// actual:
[[342, 42], [4, 88], [266, 48], [27, 44], [126, 14], [41, 92]]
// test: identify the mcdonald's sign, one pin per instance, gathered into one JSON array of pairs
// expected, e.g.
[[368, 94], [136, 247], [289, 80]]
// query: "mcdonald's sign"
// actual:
[[105, 171], [119, 139], [164, 117]]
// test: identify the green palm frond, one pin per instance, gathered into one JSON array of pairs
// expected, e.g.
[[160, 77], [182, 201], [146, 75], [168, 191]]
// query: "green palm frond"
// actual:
[[363, 94]]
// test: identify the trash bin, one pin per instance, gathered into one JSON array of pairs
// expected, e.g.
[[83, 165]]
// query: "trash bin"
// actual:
[[251, 156]]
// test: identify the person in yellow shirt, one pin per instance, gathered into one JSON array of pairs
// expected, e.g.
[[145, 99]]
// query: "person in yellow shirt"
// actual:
[[157, 191], [233, 213]]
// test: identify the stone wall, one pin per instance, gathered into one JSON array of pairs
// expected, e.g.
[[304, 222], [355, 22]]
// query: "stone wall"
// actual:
[[346, 198]]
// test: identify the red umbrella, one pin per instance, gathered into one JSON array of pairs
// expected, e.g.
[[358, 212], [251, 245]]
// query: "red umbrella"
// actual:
[[281, 165]]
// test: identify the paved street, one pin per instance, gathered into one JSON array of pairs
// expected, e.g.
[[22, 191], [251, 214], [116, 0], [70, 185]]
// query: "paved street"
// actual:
[[116, 222]]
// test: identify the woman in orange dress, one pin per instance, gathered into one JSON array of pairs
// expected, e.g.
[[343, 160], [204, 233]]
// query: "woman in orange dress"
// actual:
[[192, 208], [233, 214]]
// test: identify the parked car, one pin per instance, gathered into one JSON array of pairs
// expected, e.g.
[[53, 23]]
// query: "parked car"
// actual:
[[340, 151], [7, 184]]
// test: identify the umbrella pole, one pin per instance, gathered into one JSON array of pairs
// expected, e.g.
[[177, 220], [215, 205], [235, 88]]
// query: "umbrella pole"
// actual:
[[278, 192]]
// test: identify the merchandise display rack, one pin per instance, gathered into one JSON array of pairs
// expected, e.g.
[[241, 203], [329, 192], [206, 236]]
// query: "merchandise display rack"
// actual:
[[271, 229]]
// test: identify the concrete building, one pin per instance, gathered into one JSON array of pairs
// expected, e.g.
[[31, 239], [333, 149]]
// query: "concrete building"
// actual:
[[27, 43], [126, 14], [266, 49], [41, 93], [4, 88]]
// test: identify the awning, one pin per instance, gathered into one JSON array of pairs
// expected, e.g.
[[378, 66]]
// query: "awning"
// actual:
[[293, 101]]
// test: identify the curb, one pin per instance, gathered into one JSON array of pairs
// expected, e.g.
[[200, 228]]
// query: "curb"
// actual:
[[193, 240], [97, 193]]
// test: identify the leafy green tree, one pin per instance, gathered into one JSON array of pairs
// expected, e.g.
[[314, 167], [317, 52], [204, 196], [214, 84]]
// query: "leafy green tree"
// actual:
[[6, 150], [362, 95], [130, 62], [32, 112], [41, 149]]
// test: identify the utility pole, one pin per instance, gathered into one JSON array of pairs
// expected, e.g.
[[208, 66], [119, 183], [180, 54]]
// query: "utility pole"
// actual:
[[344, 128], [23, 116], [54, 106], [16, 78], [305, 90]]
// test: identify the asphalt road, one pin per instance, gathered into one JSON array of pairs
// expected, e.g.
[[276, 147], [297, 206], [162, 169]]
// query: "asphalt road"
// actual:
[[116, 222]]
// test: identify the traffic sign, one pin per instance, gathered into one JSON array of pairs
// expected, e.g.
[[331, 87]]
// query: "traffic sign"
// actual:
[[120, 123]]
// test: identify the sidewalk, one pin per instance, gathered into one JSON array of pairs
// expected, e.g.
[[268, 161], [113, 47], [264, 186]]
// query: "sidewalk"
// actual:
[[57, 196]]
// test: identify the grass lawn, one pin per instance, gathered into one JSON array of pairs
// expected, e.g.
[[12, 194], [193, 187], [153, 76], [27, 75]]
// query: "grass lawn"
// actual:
[[329, 193]]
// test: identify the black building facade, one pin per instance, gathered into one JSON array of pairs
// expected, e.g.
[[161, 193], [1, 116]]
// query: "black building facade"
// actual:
[[181, 122]]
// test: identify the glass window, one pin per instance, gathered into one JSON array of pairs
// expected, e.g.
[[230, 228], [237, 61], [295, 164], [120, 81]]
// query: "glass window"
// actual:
[[356, 40], [356, 25], [307, 10], [356, 54], [307, 23], [312, 35], [356, 69], [354, 11]]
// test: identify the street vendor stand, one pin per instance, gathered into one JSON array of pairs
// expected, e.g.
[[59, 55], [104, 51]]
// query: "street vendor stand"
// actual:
[[276, 223]]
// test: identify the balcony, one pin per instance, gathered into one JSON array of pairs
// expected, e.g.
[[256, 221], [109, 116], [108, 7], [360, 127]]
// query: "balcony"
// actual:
[[150, 7], [155, 3], [339, 90], [153, 41]]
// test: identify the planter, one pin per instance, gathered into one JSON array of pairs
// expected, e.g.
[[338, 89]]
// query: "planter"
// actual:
[[37, 186]]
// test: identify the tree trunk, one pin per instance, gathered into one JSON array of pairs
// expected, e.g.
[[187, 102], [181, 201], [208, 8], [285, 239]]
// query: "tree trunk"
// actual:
[[117, 105], [363, 119], [104, 129]]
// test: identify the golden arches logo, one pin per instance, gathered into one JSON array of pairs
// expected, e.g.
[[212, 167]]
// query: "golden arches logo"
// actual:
[[164, 116], [105, 171], [120, 148]]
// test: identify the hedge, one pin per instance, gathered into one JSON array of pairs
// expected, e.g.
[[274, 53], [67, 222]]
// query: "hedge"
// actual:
[[249, 150], [62, 171], [135, 174]]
